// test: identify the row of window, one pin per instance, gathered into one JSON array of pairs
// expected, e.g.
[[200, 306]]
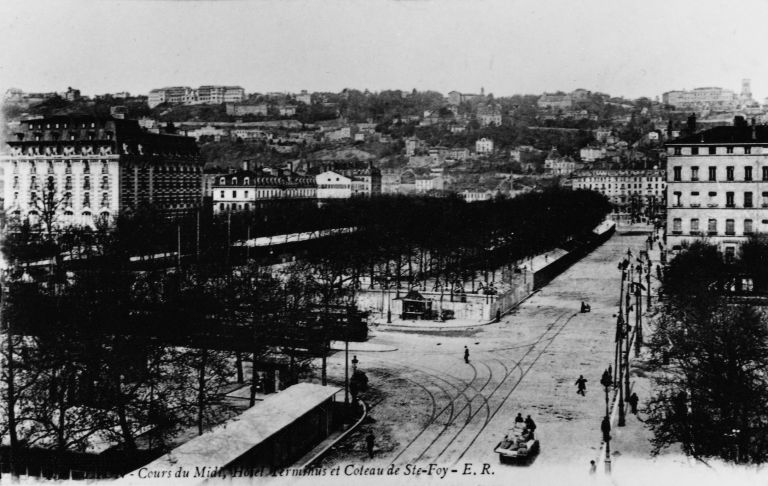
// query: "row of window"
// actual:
[[67, 167], [67, 198], [677, 173], [712, 150], [730, 199], [39, 126], [696, 229], [234, 206]]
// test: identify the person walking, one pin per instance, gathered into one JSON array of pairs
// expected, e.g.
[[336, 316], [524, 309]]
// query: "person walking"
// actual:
[[633, 402], [605, 427], [581, 385], [592, 467], [369, 444], [519, 418], [466, 354]]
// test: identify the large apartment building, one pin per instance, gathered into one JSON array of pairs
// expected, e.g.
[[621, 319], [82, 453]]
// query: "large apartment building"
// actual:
[[717, 184], [84, 168], [710, 97], [185, 95], [244, 190], [622, 186]]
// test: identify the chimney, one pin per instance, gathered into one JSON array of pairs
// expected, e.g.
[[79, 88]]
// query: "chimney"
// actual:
[[246, 165]]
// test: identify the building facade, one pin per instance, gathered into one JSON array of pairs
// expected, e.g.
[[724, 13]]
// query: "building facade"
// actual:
[[82, 169], [622, 186], [718, 186], [710, 97], [244, 190], [484, 146], [342, 184], [332, 185]]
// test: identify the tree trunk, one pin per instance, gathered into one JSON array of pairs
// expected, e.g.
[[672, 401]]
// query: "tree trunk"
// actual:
[[239, 367], [125, 428], [254, 382], [11, 398], [201, 382]]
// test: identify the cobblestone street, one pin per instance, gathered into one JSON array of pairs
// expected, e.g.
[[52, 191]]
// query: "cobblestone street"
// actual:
[[432, 407]]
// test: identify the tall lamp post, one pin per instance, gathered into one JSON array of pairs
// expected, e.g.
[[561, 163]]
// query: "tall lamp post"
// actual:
[[607, 381], [619, 341]]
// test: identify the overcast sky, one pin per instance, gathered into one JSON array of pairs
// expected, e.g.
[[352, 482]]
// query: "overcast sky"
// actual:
[[627, 48]]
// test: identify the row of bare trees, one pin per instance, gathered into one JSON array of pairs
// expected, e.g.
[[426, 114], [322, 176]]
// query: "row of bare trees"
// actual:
[[110, 356]]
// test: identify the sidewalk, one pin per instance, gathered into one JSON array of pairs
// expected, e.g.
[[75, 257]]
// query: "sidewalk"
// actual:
[[633, 441]]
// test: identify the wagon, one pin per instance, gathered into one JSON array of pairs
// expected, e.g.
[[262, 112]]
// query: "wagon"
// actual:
[[518, 446]]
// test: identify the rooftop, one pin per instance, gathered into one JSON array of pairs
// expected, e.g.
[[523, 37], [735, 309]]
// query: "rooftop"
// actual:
[[726, 135], [229, 441]]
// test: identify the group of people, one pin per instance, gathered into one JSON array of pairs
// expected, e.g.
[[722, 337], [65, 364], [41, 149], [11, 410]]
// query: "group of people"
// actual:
[[530, 426]]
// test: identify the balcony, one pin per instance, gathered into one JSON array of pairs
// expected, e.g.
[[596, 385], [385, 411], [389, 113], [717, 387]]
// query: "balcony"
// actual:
[[730, 233], [695, 205], [712, 232], [712, 205], [695, 233], [677, 232]]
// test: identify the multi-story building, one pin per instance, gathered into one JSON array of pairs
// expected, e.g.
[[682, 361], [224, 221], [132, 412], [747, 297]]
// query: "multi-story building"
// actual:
[[430, 182], [156, 97], [244, 190], [592, 153], [412, 145], [717, 184], [710, 97], [488, 115], [335, 184], [214, 95], [304, 97], [555, 101], [458, 153], [83, 168], [241, 109], [474, 196], [647, 187], [456, 97], [208, 94], [484, 146]]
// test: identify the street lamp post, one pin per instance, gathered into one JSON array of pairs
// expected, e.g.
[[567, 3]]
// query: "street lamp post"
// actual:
[[606, 381], [619, 342]]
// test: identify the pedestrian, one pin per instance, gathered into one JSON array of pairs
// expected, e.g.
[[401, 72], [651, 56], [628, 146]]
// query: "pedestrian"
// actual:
[[658, 271], [466, 354], [519, 418], [605, 427], [369, 444], [592, 467], [498, 315], [530, 424], [633, 402], [581, 385], [354, 363]]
